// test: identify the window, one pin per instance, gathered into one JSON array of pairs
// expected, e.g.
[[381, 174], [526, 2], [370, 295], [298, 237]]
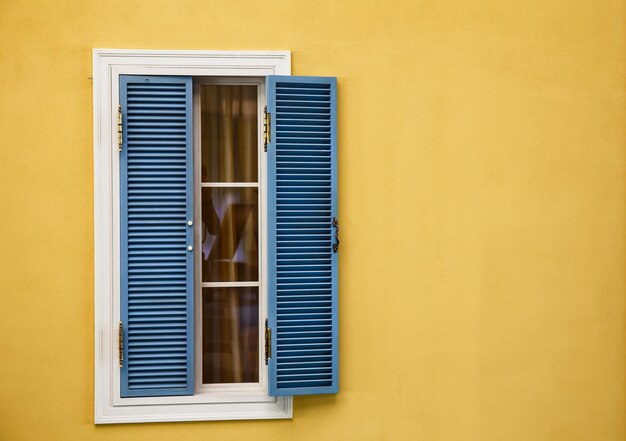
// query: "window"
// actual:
[[228, 116], [207, 246]]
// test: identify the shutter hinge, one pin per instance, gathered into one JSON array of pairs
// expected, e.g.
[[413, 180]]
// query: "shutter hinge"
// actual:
[[119, 127], [120, 339], [268, 342], [267, 128]]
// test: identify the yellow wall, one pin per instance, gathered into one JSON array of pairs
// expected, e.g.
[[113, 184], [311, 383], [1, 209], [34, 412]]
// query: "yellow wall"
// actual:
[[482, 189]]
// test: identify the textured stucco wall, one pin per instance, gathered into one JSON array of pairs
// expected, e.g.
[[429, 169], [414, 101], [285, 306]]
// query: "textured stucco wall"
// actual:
[[482, 194]]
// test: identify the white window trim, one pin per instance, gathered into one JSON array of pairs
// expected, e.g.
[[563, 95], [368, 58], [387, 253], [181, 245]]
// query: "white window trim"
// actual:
[[108, 64]]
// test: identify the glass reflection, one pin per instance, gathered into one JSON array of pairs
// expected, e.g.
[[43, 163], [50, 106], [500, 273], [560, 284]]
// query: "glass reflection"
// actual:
[[229, 234], [230, 335], [229, 126]]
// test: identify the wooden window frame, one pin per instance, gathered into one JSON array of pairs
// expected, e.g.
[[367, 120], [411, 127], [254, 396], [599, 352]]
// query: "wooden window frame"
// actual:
[[108, 65]]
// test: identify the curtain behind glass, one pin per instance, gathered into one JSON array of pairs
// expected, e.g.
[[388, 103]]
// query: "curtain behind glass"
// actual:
[[229, 149], [229, 133]]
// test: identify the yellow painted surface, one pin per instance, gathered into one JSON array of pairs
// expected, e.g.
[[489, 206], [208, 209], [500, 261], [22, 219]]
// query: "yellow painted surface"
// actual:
[[482, 200]]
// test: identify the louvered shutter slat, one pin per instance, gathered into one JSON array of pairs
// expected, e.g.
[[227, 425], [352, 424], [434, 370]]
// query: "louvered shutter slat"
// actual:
[[302, 198], [156, 266]]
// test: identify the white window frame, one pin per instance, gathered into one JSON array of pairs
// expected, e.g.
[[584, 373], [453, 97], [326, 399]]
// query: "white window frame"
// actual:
[[108, 65]]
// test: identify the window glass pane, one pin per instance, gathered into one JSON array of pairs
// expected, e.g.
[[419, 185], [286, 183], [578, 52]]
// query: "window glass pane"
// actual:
[[229, 126], [229, 234], [230, 335]]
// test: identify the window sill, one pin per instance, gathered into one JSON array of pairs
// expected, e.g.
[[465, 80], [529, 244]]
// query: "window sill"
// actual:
[[133, 410]]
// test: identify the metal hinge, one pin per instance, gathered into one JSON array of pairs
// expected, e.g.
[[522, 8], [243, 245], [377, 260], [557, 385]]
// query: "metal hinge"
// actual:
[[119, 127], [120, 339], [268, 342], [267, 128]]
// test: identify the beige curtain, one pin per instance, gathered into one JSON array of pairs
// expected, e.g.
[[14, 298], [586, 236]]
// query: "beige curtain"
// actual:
[[229, 135]]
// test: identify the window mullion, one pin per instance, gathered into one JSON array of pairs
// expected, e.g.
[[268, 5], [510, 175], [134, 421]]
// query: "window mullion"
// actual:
[[229, 184], [230, 284]]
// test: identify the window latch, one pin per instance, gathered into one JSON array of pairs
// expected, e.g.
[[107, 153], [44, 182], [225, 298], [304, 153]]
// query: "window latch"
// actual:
[[336, 226], [120, 340], [268, 342], [267, 128]]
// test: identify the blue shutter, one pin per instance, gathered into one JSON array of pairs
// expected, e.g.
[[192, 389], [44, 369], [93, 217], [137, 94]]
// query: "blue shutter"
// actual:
[[156, 267], [302, 203]]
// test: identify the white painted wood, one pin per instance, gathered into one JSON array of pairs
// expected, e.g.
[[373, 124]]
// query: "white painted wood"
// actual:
[[217, 404], [229, 184], [229, 284]]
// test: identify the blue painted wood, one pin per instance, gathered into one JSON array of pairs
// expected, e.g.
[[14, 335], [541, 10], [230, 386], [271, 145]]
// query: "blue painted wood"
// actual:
[[156, 269], [302, 201]]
